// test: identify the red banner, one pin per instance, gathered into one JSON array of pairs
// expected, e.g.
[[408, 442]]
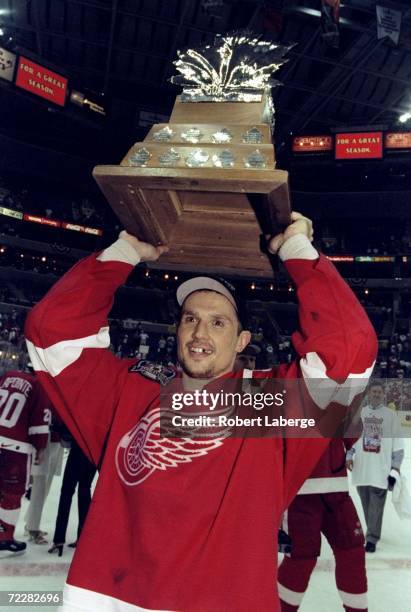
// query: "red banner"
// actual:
[[305, 144], [341, 258], [360, 145], [398, 140], [41, 81], [41, 220], [81, 228]]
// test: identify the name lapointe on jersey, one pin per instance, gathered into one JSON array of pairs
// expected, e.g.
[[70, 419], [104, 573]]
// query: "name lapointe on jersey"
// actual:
[[143, 451]]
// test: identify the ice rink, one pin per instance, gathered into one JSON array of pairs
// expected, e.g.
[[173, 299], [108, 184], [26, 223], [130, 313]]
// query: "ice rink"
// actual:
[[389, 569]]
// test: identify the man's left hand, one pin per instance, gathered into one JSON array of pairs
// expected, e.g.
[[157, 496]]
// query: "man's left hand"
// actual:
[[299, 225]]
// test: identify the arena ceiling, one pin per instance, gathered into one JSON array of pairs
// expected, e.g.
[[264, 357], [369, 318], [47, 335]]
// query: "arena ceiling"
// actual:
[[124, 50], [120, 53]]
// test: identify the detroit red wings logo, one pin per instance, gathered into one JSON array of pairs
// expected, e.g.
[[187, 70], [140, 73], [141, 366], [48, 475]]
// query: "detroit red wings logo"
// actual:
[[142, 451]]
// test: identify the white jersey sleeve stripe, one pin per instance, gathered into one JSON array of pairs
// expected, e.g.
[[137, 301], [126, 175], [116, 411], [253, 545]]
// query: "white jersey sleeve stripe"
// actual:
[[324, 390], [354, 600], [336, 484], [76, 599], [39, 429], [292, 598], [15, 445], [120, 251], [9, 516], [59, 356], [298, 247]]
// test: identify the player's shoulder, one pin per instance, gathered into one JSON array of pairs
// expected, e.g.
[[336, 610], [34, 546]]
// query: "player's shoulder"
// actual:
[[156, 372], [19, 374]]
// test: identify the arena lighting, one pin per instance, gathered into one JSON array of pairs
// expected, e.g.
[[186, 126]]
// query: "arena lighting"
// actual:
[[252, 286], [397, 140], [404, 118], [166, 276], [78, 98], [307, 144]]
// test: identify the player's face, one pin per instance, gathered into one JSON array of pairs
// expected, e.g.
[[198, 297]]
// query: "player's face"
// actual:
[[376, 396], [208, 338]]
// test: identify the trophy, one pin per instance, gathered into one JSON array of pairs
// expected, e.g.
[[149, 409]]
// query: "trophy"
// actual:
[[205, 183]]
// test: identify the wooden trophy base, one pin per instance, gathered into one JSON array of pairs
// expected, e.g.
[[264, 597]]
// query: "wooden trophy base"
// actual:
[[211, 217], [208, 222]]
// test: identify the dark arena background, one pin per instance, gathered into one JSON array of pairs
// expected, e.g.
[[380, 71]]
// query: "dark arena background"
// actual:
[[342, 131]]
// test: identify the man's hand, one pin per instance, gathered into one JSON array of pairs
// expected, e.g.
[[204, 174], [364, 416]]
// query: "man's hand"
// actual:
[[147, 252], [349, 464], [299, 225], [39, 457], [391, 482]]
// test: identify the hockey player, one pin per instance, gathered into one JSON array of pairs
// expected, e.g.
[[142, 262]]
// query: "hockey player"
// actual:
[[181, 524], [24, 428], [323, 505]]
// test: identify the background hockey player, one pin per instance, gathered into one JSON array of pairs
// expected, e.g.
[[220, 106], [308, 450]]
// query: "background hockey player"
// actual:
[[24, 429], [323, 505], [193, 518]]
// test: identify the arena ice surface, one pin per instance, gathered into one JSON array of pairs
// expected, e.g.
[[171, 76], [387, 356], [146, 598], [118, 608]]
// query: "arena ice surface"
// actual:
[[389, 569]]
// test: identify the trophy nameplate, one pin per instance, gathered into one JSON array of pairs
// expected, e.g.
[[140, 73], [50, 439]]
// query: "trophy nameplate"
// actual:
[[205, 184]]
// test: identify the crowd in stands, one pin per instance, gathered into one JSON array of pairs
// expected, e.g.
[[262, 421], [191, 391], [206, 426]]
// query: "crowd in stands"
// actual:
[[383, 237], [56, 205], [270, 341]]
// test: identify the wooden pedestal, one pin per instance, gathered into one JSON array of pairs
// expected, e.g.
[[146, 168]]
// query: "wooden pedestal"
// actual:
[[209, 222]]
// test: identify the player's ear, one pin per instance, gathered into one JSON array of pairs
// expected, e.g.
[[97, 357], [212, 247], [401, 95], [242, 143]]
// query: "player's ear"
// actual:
[[244, 338]]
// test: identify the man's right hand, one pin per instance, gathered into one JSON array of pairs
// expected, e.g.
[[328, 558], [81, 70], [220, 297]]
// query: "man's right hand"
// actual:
[[349, 464], [147, 252]]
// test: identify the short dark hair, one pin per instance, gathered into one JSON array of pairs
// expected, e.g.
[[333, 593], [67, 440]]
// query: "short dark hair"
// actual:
[[376, 383]]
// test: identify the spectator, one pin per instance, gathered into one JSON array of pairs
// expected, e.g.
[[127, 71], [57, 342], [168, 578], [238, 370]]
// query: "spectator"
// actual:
[[371, 459], [79, 471]]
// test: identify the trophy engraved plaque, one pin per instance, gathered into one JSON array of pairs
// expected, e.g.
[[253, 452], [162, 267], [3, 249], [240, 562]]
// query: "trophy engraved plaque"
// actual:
[[163, 135], [169, 158], [197, 158], [225, 159], [222, 136], [192, 135], [253, 136], [205, 183]]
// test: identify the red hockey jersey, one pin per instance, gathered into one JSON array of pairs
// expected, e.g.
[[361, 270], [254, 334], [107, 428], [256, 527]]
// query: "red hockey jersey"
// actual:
[[174, 526], [330, 473], [24, 413]]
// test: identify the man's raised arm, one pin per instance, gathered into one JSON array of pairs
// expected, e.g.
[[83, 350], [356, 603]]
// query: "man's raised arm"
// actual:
[[68, 338], [336, 343]]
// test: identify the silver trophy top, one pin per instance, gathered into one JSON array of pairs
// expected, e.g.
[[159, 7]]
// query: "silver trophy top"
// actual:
[[236, 68]]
